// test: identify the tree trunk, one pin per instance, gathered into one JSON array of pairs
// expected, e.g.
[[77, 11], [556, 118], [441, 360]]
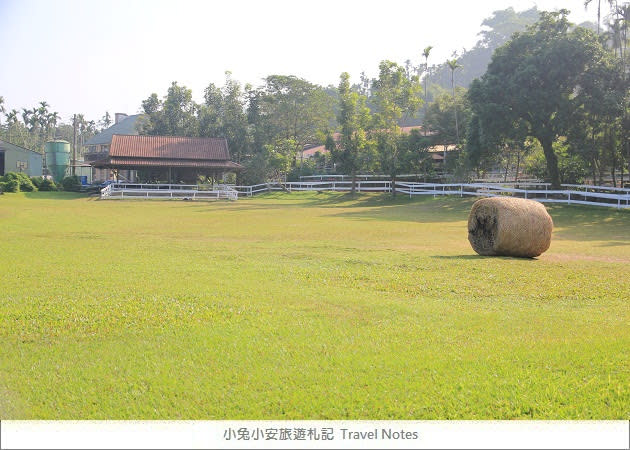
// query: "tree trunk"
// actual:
[[394, 185], [552, 162], [507, 168], [354, 182]]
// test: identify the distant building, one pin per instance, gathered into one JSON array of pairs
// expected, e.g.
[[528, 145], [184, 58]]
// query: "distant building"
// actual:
[[97, 147], [14, 158], [311, 150], [169, 159]]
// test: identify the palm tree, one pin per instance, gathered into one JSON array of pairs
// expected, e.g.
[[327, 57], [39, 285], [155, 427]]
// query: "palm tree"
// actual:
[[454, 65], [51, 122], [2, 108], [26, 116], [12, 117], [611, 3], [425, 53], [11, 121]]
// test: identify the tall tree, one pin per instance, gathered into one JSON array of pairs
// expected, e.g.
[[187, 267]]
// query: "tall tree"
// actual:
[[223, 115], [288, 108], [454, 65], [176, 115], [395, 96], [497, 30], [533, 79], [353, 117], [106, 121], [426, 52]]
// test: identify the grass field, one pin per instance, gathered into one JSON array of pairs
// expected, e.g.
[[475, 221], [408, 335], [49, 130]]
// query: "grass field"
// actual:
[[306, 306]]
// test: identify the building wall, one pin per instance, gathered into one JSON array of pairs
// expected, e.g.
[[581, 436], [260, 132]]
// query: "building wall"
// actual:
[[17, 160]]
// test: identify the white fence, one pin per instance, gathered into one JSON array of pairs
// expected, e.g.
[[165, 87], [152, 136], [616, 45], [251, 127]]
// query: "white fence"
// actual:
[[167, 192], [542, 192]]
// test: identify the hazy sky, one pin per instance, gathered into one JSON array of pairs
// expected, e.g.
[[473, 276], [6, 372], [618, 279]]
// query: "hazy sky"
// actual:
[[94, 56]]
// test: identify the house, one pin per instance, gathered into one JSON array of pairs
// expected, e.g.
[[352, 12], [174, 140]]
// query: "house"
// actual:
[[439, 153], [310, 150], [14, 158], [167, 159], [97, 147]]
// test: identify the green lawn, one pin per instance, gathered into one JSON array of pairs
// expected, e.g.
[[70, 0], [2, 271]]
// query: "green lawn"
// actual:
[[305, 306]]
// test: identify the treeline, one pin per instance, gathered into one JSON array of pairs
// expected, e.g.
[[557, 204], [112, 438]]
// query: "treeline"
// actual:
[[32, 127], [552, 104], [536, 96]]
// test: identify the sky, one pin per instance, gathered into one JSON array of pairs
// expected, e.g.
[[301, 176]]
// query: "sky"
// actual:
[[92, 56]]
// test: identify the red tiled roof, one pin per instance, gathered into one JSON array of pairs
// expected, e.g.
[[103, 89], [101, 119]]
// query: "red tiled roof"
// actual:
[[311, 151], [175, 147]]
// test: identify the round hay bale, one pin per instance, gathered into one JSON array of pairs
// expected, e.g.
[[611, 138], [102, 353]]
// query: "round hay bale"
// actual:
[[506, 226]]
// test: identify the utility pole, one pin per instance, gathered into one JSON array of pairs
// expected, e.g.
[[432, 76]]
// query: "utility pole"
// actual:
[[74, 145]]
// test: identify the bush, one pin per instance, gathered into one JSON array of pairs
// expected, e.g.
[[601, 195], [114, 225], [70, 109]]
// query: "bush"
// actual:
[[71, 183], [10, 186], [24, 182], [47, 185], [37, 181]]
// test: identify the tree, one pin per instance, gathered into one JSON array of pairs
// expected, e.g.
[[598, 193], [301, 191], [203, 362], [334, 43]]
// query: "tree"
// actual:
[[106, 121], [353, 117], [425, 53], [175, 116], [532, 81], [454, 65], [395, 96], [611, 3], [498, 29], [289, 108], [441, 116], [223, 115]]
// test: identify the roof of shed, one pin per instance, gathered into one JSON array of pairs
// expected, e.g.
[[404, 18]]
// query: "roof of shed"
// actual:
[[172, 147]]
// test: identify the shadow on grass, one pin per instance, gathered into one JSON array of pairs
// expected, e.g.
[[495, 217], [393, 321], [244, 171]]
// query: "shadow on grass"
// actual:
[[588, 223], [55, 195], [363, 206], [418, 210], [575, 222], [479, 257]]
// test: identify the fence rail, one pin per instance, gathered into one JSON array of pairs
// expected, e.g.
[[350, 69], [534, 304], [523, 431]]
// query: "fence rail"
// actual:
[[542, 192], [121, 191]]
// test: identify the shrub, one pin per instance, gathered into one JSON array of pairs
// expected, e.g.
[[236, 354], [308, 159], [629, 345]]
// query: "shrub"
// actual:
[[24, 182], [10, 186], [71, 183], [47, 185], [37, 181]]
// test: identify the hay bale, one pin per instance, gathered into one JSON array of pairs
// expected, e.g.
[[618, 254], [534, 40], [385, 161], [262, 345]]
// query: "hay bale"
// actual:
[[506, 226]]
